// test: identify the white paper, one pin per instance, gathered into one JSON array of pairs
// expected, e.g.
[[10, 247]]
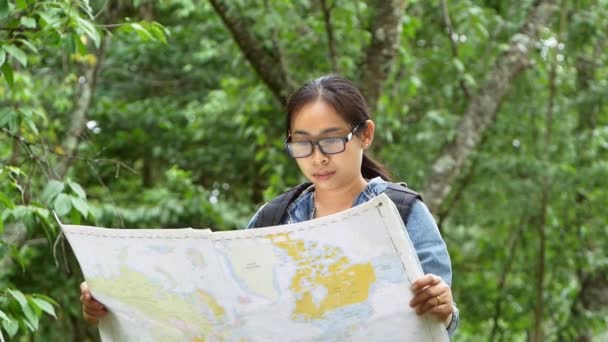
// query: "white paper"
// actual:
[[344, 277]]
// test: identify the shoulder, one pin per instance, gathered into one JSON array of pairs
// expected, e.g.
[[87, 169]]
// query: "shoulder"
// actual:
[[272, 212], [420, 214]]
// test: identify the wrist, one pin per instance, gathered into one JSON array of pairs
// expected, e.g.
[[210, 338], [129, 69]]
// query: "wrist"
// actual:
[[448, 320]]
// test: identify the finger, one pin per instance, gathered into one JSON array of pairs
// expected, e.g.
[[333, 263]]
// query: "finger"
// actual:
[[95, 311], [441, 312], [84, 290], [93, 304], [424, 281], [90, 302], [95, 314], [90, 319], [428, 305], [431, 292]]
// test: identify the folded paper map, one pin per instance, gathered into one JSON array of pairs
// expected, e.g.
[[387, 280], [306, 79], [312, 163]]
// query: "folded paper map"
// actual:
[[344, 277]]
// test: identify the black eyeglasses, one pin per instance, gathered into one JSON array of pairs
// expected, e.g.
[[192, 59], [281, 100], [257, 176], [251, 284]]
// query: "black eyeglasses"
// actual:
[[333, 145]]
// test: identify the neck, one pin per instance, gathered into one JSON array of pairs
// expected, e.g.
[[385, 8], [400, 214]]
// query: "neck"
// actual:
[[329, 201]]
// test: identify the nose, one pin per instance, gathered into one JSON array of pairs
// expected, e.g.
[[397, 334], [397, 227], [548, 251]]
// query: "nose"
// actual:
[[317, 156]]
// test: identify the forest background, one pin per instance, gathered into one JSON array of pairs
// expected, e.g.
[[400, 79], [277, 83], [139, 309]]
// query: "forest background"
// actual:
[[170, 113]]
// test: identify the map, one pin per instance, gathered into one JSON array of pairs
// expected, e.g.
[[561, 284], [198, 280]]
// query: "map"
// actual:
[[343, 277]]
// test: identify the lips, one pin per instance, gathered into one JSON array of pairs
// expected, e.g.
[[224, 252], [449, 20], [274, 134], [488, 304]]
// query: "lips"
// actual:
[[323, 175]]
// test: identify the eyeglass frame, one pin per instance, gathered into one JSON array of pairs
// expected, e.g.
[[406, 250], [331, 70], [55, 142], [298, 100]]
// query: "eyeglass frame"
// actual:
[[312, 143]]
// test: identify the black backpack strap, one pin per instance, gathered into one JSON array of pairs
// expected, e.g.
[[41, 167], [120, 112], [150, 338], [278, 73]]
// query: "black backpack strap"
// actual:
[[403, 197], [272, 213]]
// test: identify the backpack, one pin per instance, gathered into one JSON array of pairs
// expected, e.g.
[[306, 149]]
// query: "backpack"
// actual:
[[274, 211]]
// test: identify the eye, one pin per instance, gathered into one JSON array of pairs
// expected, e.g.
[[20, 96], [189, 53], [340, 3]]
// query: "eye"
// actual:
[[300, 143], [331, 140]]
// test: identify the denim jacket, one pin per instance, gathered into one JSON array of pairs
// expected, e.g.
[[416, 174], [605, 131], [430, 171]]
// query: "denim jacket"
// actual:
[[421, 227]]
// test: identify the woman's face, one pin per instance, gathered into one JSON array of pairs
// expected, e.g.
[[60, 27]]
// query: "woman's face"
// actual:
[[318, 120]]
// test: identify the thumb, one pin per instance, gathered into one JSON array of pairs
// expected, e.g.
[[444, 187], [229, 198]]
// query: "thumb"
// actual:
[[84, 290]]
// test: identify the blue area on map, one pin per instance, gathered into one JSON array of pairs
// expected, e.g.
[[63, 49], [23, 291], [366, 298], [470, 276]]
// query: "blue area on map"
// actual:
[[388, 269], [344, 317]]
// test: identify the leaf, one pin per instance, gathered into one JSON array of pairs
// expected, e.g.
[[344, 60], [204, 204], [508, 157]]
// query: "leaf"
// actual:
[[2, 55], [17, 53], [45, 306], [45, 298], [89, 29], [81, 47], [3, 316], [26, 113], [28, 22], [68, 43], [28, 44], [7, 71], [62, 204], [51, 190], [21, 4], [49, 19], [10, 326], [75, 217], [86, 7], [81, 206], [6, 201], [77, 189], [19, 296], [32, 314], [141, 32], [158, 31], [458, 64], [3, 9]]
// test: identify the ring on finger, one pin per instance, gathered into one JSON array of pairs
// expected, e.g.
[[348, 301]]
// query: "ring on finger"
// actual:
[[438, 300]]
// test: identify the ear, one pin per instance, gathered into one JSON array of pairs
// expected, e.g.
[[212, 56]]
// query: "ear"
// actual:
[[367, 134]]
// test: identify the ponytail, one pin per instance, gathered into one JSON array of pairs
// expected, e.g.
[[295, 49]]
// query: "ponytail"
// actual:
[[372, 169]]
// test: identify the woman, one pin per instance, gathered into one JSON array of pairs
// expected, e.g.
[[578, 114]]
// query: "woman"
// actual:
[[328, 129]]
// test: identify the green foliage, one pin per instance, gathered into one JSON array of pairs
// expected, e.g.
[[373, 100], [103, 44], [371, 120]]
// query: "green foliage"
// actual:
[[180, 131], [20, 312]]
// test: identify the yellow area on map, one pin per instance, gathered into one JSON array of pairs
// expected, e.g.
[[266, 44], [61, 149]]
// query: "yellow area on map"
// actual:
[[325, 267], [176, 314]]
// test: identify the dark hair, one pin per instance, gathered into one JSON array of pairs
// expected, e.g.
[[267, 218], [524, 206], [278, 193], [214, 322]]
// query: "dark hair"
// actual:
[[347, 100]]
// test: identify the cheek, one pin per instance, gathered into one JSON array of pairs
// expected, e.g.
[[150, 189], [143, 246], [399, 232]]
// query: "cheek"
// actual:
[[301, 163]]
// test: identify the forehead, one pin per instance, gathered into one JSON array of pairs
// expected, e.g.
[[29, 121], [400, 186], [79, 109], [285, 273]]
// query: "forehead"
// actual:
[[317, 117]]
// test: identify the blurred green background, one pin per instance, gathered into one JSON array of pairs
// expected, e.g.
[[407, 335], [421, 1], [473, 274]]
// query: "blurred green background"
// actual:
[[169, 113]]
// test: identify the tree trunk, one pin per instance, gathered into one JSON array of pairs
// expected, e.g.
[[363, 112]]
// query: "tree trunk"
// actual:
[[263, 61], [78, 119], [483, 108], [270, 67], [593, 293], [381, 52]]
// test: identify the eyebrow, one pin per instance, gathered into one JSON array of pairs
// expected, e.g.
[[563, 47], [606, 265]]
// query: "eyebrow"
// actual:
[[325, 131]]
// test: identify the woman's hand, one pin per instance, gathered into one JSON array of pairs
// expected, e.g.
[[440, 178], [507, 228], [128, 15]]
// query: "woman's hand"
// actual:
[[92, 310], [432, 294]]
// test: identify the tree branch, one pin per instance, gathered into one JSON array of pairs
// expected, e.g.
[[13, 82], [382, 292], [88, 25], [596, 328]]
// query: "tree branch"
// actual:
[[263, 61], [329, 30], [276, 44], [381, 52], [483, 108], [78, 118], [503, 279], [450, 31], [28, 145]]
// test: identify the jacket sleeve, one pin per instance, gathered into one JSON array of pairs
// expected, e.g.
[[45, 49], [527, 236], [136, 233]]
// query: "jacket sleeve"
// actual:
[[431, 250]]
